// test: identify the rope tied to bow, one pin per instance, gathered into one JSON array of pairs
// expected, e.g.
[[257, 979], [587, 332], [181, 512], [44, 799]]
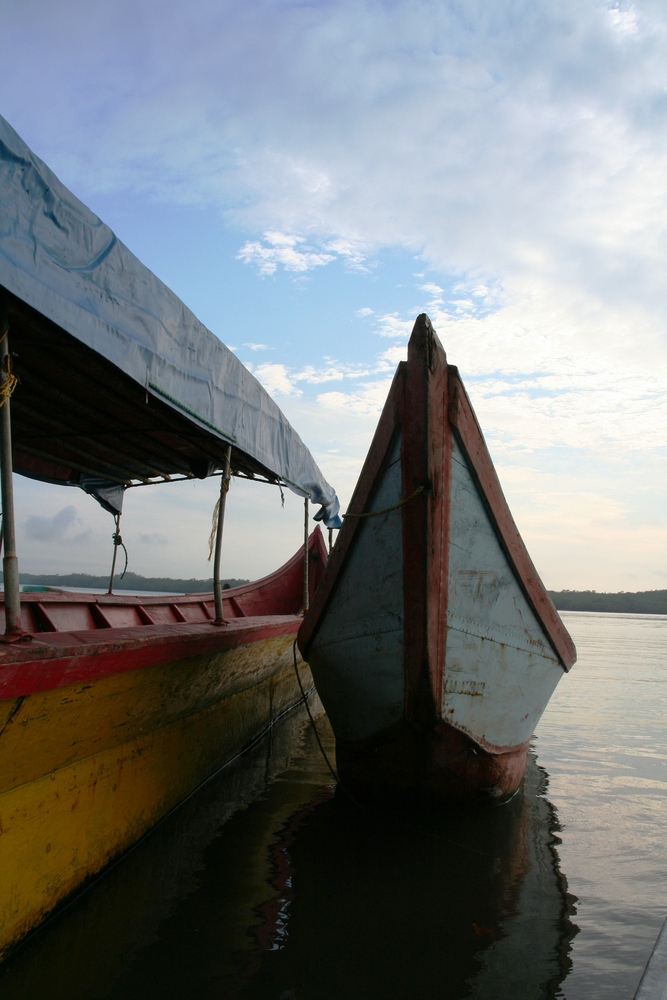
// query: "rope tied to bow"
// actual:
[[387, 510], [224, 488]]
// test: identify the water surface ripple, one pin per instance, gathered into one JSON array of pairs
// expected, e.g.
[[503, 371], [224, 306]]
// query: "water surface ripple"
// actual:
[[603, 741]]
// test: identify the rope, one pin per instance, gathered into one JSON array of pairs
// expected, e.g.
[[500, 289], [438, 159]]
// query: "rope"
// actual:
[[10, 383], [117, 540], [214, 529], [335, 777], [386, 510], [312, 720], [224, 486]]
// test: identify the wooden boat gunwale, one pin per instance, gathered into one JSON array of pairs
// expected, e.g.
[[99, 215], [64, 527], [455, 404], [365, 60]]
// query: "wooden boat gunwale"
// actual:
[[60, 658]]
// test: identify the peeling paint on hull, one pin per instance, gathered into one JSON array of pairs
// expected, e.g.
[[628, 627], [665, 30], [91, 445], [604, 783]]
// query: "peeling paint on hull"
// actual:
[[433, 643], [103, 732], [65, 824]]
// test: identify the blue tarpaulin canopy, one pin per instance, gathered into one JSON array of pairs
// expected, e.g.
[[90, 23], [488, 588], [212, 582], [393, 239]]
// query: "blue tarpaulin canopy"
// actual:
[[119, 382]]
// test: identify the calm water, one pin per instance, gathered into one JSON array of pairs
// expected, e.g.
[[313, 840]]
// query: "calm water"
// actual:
[[268, 884]]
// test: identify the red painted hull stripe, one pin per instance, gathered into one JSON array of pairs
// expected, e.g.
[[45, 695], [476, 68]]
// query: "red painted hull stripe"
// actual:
[[60, 659]]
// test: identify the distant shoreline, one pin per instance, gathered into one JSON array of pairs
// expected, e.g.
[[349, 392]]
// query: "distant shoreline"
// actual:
[[644, 602], [131, 581]]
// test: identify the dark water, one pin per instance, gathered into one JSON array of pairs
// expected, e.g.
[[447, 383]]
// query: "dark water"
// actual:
[[269, 884]]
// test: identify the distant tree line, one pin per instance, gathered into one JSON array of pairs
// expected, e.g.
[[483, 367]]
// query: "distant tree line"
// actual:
[[131, 581], [645, 602]]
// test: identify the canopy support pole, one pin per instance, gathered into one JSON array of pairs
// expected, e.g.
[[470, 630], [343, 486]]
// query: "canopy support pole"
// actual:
[[224, 489], [306, 587], [10, 563], [330, 540]]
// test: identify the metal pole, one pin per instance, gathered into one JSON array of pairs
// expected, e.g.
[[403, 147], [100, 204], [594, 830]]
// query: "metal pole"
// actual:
[[224, 489], [306, 588], [10, 563], [115, 536], [330, 540]]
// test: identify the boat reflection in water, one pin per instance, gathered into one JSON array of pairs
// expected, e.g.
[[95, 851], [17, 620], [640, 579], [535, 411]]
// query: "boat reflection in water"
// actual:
[[267, 884]]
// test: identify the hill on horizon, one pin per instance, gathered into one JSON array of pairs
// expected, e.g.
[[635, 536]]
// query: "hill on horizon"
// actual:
[[642, 602], [131, 581]]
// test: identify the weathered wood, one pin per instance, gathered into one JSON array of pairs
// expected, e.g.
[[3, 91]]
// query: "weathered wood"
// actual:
[[501, 668], [357, 651], [653, 984], [118, 708], [452, 591], [118, 757], [306, 588], [390, 420], [415, 470], [472, 441], [439, 444]]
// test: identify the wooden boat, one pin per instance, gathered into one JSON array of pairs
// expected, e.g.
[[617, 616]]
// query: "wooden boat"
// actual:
[[113, 709], [118, 708], [432, 641]]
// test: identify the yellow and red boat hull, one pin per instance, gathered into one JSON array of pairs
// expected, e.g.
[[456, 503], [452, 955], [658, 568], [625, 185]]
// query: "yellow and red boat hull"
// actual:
[[89, 766], [116, 708]]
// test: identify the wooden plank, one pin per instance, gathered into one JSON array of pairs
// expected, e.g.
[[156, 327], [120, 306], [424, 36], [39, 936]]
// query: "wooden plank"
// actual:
[[419, 706], [356, 654], [66, 823], [471, 439], [439, 503], [501, 667], [66, 658], [390, 421], [653, 984]]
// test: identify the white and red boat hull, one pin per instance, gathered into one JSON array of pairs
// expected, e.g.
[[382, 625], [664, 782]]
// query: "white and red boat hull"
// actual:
[[432, 641]]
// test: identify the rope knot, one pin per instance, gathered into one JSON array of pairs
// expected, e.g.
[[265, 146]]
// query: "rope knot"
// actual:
[[10, 383]]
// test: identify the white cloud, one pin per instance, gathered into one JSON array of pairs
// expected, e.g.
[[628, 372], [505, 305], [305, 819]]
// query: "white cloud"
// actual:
[[501, 144], [352, 254], [257, 347], [392, 356], [57, 529], [276, 379], [392, 325], [367, 399], [365, 311], [281, 380], [625, 21], [330, 373], [495, 140], [282, 250]]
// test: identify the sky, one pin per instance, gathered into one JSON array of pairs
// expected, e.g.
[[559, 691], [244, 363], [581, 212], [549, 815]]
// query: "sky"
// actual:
[[309, 176]]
